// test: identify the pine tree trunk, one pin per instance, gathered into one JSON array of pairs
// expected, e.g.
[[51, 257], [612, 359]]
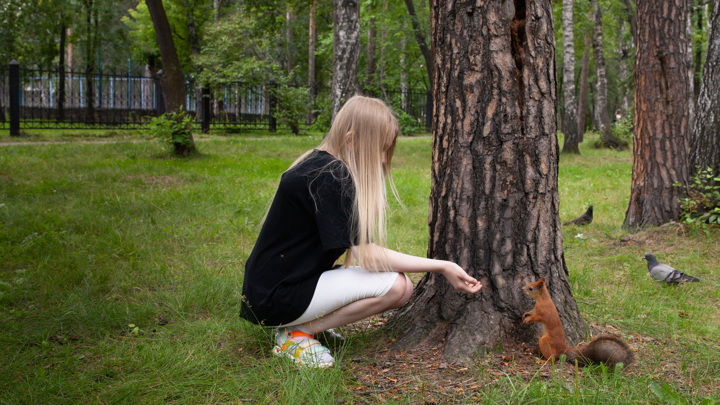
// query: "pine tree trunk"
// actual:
[[602, 115], [698, 54], [172, 81], [570, 129], [660, 156], [583, 97], [705, 140], [346, 51], [494, 200]]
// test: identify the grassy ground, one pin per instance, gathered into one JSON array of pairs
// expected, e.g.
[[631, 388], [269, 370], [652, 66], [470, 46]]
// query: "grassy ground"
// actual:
[[121, 271]]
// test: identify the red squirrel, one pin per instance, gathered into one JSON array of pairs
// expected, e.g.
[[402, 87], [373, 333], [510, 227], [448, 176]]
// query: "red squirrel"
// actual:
[[606, 349]]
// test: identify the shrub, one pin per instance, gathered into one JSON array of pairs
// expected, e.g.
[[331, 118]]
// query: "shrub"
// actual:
[[292, 106], [702, 204], [173, 129]]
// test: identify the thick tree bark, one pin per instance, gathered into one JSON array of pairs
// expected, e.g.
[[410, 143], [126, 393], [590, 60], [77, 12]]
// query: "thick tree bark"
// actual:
[[602, 115], [172, 81], [570, 130], [583, 96], [705, 140], [494, 199], [311, 62], [346, 51], [420, 38], [660, 156]]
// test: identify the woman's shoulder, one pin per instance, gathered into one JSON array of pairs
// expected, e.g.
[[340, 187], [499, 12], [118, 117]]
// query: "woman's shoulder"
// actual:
[[320, 162]]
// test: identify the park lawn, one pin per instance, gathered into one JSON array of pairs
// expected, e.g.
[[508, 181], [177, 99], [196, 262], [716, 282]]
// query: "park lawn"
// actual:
[[121, 272]]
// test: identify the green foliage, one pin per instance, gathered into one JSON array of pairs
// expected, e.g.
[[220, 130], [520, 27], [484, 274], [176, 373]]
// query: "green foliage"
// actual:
[[173, 129], [323, 113], [702, 204], [622, 129], [292, 106]]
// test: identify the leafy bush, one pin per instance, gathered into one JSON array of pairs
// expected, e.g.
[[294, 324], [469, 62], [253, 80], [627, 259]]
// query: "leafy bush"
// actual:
[[324, 113], [173, 129], [292, 106], [622, 129], [702, 204]]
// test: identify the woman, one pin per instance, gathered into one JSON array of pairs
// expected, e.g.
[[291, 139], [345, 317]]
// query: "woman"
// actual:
[[330, 202]]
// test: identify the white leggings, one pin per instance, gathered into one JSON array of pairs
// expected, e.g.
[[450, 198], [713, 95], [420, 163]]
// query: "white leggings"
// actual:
[[340, 287]]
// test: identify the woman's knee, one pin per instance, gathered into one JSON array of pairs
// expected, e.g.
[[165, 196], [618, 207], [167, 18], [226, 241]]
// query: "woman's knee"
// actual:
[[400, 292]]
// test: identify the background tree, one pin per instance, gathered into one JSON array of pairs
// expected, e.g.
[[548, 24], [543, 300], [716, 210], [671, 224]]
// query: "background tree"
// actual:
[[661, 114], [346, 51], [172, 81], [494, 200], [705, 139], [570, 129], [602, 115]]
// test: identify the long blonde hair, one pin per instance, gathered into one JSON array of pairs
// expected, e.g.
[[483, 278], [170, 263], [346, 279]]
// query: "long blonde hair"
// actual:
[[364, 132]]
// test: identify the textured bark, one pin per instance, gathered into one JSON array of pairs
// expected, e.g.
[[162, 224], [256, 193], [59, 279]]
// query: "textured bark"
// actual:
[[172, 81], [420, 38], [602, 115], [583, 96], [311, 62], [660, 157], [705, 140], [494, 200], [346, 51], [570, 130]]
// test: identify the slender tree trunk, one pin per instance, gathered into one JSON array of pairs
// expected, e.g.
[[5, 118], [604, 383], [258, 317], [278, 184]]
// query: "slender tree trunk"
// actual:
[[289, 41], [90, 55], [404, 86], [690, 68], [420, 38], [172, 81], [572, 140], [61, 75], [698, 55], [602, 115], [660, 156], [383, 53], [583, 97], [370, 56], [311, 62], [705, 140], [494, 200], [346, 51], [624, 77]]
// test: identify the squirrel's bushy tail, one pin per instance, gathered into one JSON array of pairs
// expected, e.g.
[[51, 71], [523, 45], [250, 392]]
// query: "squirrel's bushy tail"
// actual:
[[605, 349]]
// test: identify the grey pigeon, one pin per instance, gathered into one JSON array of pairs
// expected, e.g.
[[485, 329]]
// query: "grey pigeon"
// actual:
[[663, 273], [583, 219]]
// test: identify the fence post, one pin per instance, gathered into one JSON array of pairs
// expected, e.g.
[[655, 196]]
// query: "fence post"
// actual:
[[14, 98], [159, 99], [205, 109], [428, 111], [272, 106]]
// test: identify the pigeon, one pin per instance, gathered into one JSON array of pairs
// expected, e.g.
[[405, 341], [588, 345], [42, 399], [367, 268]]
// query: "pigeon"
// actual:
[[583, 219], [663, 273]]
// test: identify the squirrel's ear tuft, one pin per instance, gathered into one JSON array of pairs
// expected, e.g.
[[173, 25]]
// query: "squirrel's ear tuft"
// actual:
[[542, 280]]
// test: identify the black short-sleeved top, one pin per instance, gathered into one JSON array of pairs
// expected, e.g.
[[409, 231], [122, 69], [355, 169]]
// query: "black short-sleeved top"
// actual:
[[306, 230]]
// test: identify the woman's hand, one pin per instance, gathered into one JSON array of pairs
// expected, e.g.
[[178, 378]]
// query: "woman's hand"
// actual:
[[458, 278]]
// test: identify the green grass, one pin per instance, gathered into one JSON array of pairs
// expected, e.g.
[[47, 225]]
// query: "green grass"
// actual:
[[121, 271]]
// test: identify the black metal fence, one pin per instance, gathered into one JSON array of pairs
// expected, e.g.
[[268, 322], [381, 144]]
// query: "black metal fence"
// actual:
[[60, 99]]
